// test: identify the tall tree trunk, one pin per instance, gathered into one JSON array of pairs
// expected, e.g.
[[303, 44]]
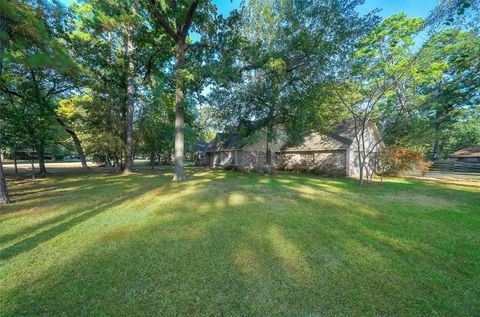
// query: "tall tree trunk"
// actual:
[[41, 158], [4, 199], [436, 143], [178, 32], [152, 159], [3, 31], [360, 146], [15, 157], [130, 51], [360, 164], [32, 162], [179, 112], [3, 182], [15, 162]]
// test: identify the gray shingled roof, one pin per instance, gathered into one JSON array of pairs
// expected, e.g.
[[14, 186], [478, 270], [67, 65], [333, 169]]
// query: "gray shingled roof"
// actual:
[[225, 141], [340, 136]]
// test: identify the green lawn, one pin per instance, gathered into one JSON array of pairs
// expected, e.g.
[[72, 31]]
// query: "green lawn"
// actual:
[[231, 244]]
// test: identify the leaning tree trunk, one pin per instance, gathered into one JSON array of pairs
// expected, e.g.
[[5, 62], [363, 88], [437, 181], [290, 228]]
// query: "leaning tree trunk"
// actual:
[[3, 183], [179, 112], [108, 161], [76, 141], [78, 146], [130, 50], [32, 163]]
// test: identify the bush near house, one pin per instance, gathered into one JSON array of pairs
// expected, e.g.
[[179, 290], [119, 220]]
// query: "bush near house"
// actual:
[[397, 160]]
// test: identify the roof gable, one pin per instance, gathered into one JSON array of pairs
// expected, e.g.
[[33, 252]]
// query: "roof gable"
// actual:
[[339, 136], [224, 141]]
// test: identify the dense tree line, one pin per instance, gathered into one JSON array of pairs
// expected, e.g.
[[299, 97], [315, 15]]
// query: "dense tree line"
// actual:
[[111, 79]]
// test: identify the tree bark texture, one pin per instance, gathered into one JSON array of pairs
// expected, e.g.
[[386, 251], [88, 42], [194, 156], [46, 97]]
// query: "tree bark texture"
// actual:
[[130, 51], [41, 158], [4, 199], [179, 112]]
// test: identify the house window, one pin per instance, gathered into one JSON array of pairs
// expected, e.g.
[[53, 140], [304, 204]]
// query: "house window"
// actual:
[[306, 157]]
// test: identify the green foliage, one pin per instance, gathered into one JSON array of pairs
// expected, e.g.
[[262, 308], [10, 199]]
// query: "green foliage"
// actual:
[[455, 12], [155, 126], [284, 62], [445, 91], [463, 133]]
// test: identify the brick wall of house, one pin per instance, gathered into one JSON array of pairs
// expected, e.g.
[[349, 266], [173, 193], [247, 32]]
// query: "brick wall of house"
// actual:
[[253, 161], [331, 163]]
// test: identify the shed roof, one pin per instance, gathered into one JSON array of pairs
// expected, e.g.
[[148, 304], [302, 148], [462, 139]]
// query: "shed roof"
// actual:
[[470, 152]]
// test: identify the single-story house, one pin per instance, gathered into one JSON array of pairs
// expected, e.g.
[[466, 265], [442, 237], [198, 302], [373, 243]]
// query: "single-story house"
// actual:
[[465, 155], [198, 155], [333, 153], [230, 150]]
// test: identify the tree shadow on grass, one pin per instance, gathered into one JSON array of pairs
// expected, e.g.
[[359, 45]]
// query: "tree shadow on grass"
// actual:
[[34, 194], [33, 241], [185, 266], [126, 187], [224, 249], [67, 209]]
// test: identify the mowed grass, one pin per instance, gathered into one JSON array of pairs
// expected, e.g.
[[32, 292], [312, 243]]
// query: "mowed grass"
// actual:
[[236, 244]]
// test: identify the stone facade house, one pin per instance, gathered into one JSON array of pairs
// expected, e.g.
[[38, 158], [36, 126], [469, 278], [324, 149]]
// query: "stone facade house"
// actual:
[[332, 153], [233, 151]]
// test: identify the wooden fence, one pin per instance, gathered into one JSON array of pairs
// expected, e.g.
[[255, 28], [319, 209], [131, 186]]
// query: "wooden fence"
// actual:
[[455, 167]]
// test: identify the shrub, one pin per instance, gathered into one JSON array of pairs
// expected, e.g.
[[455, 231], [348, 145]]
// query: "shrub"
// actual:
[[396, 160]]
